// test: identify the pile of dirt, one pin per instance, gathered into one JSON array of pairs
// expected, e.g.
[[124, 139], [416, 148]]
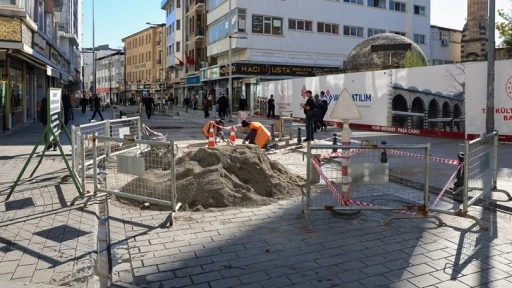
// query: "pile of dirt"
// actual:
[[226, 176]]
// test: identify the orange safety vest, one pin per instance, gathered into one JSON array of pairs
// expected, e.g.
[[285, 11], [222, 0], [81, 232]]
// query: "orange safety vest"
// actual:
[[262, 134]]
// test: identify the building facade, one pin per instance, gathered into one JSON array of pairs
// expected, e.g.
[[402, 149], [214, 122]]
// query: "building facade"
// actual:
[[87, 66], [474, 34], [39, 49], [110, 78], [445, 45], [145, 62], [186, 46], [285, 39]]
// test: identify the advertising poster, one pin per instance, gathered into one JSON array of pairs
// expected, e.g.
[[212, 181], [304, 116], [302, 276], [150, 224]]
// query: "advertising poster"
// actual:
[[441, 101]]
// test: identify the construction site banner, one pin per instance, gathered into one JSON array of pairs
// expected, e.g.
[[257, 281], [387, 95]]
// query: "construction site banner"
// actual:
[[444, 100]]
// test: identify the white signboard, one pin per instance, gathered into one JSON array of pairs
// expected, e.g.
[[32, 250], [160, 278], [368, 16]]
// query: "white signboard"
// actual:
[[434, 100], [55, 97]]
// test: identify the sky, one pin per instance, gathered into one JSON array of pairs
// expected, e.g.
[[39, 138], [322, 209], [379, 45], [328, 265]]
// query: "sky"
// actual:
[[116, 19]]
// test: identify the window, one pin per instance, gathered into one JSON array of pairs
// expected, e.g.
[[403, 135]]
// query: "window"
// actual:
[[397, 6], [329, 28], [218, 30], [267, 25], [375, 31], [300, 25], [178, 45], [178, 25], [377, 3], [398, 33], [212, 4], [353, 31], [8, 2], [178, 4], [419, 38], [419, 10], [360, 2]]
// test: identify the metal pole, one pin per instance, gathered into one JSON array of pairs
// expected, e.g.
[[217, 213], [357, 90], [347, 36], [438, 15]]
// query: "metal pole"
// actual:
[[489, 119], [230, 60], [93, 54]]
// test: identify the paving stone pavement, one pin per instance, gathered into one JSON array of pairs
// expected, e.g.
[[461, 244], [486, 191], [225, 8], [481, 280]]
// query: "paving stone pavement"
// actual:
[[271, 247], [43, 241]]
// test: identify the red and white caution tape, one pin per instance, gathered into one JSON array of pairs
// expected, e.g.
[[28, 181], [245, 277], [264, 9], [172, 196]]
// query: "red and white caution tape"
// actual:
[[444, 188], [419, 156], [330, 186]]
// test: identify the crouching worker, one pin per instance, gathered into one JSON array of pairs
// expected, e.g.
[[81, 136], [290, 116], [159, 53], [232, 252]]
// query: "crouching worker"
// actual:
[[218, 128], [258, 134]]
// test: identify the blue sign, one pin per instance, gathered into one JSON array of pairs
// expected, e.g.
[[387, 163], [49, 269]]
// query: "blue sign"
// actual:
[[195, 80]]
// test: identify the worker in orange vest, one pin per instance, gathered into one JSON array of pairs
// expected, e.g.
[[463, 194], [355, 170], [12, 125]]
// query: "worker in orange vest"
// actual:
[[258, 134]]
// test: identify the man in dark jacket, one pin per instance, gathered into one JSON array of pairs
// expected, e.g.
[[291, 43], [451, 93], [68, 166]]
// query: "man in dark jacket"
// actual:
[[310, 111], [223, 105], [97, 107], [83, 104], [148, 102], [271, 107], [43, 118]]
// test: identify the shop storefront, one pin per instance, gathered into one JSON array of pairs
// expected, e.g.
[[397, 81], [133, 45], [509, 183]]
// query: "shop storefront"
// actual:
[[246, 78]]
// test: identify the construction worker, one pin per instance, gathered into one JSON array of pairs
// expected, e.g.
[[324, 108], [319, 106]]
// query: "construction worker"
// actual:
[[258, 134], [219, 132]]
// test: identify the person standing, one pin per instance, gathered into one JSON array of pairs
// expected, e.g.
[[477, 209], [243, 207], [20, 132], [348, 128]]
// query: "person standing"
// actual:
[[148, 102], [310, 112], [271, 107], [325, 106], [242, 103], [83, 104], [223, 105], [66, 105], [186, 103], [72, 99], [194, 103], [97, 106], [206, 107]]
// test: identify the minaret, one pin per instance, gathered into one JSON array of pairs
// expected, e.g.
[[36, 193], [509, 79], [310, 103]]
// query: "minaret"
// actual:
[[474, 34]]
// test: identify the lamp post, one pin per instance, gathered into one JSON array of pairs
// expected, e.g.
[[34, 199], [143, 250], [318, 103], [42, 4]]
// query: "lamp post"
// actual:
[[93, 54], [230, 64], [489, 115]]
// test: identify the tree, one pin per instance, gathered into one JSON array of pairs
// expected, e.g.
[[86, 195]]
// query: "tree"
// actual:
[[412, 59], [505, 30]]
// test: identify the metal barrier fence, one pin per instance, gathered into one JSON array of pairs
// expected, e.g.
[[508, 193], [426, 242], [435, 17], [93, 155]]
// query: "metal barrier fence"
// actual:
[[377, 177], [480, 169], [145, 173], [82, 154]]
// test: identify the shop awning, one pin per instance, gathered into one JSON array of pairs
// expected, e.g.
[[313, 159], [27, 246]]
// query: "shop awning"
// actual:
[[33, 57]]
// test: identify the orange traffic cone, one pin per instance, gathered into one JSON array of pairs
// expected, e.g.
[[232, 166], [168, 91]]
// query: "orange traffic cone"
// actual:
[[211, 137], [232, 135]]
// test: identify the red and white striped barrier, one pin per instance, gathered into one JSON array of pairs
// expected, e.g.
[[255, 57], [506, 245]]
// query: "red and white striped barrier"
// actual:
[[445, 187], [330, 186], [418, 156]]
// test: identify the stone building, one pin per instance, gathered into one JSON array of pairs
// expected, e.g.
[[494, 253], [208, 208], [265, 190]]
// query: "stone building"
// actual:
[[145, 62], [39, 49], [474, 33]]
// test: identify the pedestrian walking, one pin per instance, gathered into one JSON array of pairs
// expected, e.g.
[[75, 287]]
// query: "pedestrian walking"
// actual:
[[206, 107], [186, 103], [223, 105], [149, 104], [66, 105], [83, 104], [72, 99], [271, 107], [310, 112], [194, 103], [97, 106]]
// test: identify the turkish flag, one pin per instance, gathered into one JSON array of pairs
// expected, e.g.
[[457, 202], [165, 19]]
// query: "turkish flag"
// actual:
[[180, 63], [190, 61]]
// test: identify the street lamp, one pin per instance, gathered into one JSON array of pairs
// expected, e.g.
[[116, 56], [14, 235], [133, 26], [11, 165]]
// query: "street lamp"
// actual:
[[491, 46], [93, 54]]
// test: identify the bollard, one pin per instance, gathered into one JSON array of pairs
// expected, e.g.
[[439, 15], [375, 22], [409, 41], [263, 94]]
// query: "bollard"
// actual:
[[334, 142], [299, 137], [460, 172], [384, 153]]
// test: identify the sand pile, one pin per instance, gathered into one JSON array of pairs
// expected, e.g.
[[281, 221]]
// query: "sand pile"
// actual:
[[226, 176]]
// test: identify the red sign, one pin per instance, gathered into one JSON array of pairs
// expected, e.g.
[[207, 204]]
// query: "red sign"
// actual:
[[102, 90]]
